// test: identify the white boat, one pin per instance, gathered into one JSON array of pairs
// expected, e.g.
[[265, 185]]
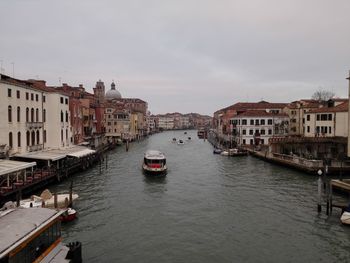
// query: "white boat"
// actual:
[[345, 218], [34, 235], [225, 153], [154, 163], [48, 200], [180, 142]]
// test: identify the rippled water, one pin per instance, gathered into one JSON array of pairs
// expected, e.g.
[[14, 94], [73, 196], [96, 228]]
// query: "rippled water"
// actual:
[[209, 208]]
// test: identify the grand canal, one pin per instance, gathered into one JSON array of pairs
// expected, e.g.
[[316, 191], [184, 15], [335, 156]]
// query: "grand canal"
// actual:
[[209, 208]]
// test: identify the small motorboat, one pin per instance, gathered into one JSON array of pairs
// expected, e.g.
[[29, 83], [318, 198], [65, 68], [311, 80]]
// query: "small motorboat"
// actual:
[[69, 215], [189, 138], [237, 152], [180, 142], [185, 132], [345, 217], [174, 139], [217, 151], [224, 153]]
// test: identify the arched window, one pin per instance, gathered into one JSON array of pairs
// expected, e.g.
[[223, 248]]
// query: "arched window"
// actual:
[[19, 139], [62, 116], [37, 115], [10, 140], [67, 134], [27, 114], [32, 115], [10, 114], [28, 138], [66, 116], [44, 115], [33, 137], [61, 135], [44, 136], [18, 114], [37, 137]]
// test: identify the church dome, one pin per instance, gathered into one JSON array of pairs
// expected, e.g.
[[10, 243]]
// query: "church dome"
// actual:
[[113, 93]]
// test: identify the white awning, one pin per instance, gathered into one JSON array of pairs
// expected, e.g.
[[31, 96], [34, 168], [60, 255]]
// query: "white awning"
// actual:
[[81, 153], [9, 166], [43, 155]]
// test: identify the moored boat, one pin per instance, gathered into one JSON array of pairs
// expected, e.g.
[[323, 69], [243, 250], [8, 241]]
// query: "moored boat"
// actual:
[[34, 235], [217, 151], [237, 152], [154, 163], [174, 139], [69, 215], [345, 217]]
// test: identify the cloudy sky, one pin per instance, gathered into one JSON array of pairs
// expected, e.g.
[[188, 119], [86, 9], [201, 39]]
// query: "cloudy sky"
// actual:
[[182, 55]]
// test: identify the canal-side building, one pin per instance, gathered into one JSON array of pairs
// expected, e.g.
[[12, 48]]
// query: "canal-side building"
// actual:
[[36, 117], [327, 121], [165, 122], [222, 119], [256, 127]]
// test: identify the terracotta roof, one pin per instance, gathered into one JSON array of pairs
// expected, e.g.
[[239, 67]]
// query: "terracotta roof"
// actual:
[[253, 106], [260, 113], [344, 107]]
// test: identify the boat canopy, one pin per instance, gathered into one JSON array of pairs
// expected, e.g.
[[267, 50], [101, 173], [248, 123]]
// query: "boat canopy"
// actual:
[[155, 155]]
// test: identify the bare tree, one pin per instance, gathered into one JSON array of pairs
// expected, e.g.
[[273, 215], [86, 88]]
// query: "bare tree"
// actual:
[[323, 95]]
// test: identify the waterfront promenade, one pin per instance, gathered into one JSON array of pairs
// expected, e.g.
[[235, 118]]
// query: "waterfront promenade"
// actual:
[[209, 208]]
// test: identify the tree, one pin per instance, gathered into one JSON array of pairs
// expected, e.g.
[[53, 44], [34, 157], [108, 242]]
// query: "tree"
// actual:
[[323, 95]]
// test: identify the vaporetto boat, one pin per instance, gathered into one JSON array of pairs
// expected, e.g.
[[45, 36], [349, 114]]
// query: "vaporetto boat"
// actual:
[[154, 163]]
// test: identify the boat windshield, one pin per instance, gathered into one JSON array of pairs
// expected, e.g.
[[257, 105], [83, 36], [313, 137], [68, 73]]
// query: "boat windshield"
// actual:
[[154, 161]]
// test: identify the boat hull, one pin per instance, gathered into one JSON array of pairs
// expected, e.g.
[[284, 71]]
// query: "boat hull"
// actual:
[[154, 171]]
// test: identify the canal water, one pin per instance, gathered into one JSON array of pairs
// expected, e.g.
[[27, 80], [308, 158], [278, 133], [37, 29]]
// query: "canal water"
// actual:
[[209, 208]]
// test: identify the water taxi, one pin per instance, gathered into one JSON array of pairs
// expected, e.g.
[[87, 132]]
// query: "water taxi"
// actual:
[[154, 163], [34, 235]]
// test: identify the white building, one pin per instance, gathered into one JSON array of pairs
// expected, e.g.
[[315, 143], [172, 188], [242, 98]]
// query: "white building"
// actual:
[[165, 122], [33, 118], [258, 126], [327, 121]]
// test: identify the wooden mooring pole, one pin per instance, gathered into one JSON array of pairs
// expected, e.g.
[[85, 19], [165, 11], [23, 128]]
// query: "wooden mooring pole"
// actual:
[[319, 192]]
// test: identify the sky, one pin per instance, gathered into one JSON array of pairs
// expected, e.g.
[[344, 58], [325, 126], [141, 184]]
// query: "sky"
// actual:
[[182, 55]]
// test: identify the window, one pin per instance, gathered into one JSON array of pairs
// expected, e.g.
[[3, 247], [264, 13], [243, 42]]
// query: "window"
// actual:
[[36, 97], [33, 137], [37, 137], [318, 117], [32, 115], [251, 141], [44, 136], [37, 115], [61, 99], [10, 140], [62, 119], [27, 96], [270, 131], [269, 121], [262, 132], [243, 141], [9, 93], [256, 122], [244, 131], [19, 139], [66, 101], [31, 96], [66, 134], [66, 116], [262, 141], [308, 117], [244, 122], [308, 129], [27, 114], [61, 135], [18, 114], [251, 132], [330, 129], [262, 122], [9, 113], [329, 117], [44, 98], [28, 138], [18, 94], [44, 115], [251, 122], [317, 129]]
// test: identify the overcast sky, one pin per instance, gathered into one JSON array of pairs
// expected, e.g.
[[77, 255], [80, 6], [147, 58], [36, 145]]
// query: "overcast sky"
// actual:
[[182, 55]]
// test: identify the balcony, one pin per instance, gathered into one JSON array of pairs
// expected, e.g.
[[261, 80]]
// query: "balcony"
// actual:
[[34, 125], [34, 148]]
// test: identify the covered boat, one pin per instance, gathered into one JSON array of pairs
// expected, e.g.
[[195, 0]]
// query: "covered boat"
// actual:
[[154, 163]]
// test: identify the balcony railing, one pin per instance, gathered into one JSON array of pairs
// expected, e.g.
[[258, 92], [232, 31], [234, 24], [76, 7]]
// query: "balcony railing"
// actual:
[[34, 125], [34, 148]]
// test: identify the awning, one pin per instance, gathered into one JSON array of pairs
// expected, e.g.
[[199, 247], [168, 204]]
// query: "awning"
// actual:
[[43, 155], [9, 166], [81, 153]]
